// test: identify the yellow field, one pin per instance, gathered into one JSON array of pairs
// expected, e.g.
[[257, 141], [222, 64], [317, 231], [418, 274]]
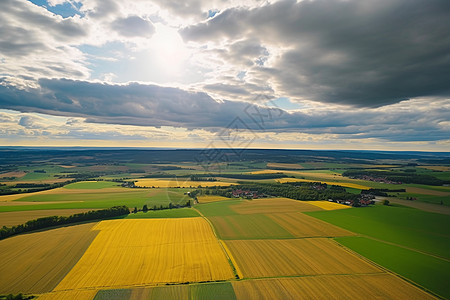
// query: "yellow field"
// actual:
[[272, 205], [268, 171], [301, 225], [152, 182], [70, 295], [211, 198], [290, 257], [345, 184], [359, 287], [36, 262], [281, 165], [146, 251], [19, 217], [327, 205]]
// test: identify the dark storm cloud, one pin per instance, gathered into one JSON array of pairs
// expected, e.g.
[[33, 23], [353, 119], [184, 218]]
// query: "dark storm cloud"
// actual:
[[133, 26], [360, 52], [152, 105]]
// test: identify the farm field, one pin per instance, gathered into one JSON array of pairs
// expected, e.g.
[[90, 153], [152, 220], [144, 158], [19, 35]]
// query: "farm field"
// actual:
[[272, 205], [211, 198], [255, 226], [410, 242], [367, 286], [301, 225], [19, 217], [408, 227], [431, 272], [70, 295], [118, 256], [36, 262], [327, 205], [313, 256], [91, 198], [164, 183]]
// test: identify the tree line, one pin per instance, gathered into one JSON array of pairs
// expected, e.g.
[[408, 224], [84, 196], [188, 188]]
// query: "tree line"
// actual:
[[309, 191], [46, 222], [397, 176]]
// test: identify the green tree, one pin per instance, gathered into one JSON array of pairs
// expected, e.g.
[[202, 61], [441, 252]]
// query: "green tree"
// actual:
[[145, 208], [385, 202]]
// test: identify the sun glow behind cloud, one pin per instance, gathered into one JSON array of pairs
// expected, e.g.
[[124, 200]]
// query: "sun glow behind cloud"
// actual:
[[133, 72]]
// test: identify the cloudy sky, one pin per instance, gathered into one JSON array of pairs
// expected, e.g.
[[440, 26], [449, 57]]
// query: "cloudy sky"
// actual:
[[312, 74]]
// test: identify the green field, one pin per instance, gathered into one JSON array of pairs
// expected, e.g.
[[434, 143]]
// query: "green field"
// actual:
[[129, 197], [408, 227], [116, 294], [428, 271], [254, 226], [92, 185], [216, 291], [221, 208]]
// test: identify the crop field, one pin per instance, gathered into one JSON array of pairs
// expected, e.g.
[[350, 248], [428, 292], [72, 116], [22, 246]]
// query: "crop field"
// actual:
[[92, 185], [254, 226], [429, 271], [70, 295], [164, 183], [63, 198], [272, 205], [369, 286], [301, 225], [408, 227], [19, 217], [326, 205], [221, 208], [36, 262], [138, 252], [204, 291], [311, 256], [211, 198]]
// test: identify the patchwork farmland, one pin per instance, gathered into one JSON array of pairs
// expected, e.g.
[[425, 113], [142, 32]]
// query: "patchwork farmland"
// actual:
[[206, 243]]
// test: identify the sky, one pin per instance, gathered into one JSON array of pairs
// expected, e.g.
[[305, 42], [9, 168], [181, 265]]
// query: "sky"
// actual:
[[312, 74]]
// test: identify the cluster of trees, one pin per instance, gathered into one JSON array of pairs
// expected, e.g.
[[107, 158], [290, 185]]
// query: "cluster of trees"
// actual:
[[46, 222], [397, 176], [195, 177], [382, 192], [295, 190], [145, 207]]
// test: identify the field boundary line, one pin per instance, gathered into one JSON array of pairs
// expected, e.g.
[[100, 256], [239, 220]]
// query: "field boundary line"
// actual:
[[237, 272], [388, 271]]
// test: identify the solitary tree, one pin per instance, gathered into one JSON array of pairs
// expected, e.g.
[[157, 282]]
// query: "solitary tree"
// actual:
[[145, 208], [135, 210], [385, 202]]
